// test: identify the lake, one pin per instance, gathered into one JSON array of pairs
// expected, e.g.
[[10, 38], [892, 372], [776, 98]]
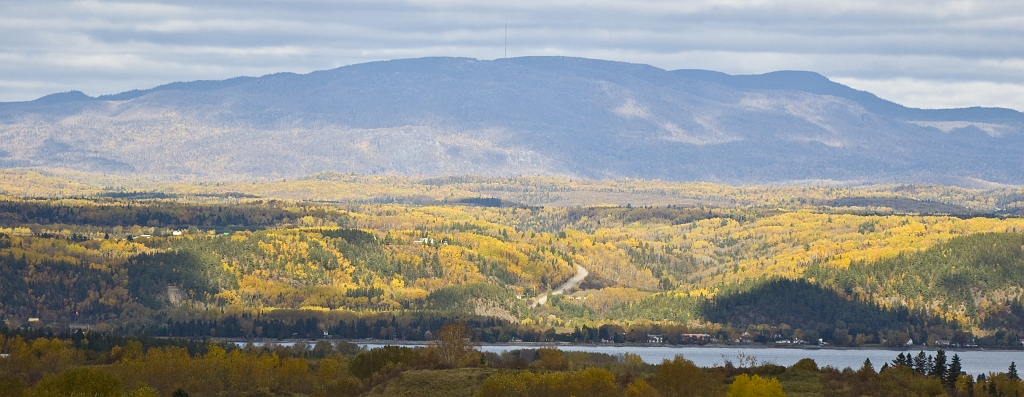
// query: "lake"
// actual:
[[974, 362]]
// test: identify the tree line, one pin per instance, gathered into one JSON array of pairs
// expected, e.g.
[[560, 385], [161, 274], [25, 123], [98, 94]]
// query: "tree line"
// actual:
[[104, 366]]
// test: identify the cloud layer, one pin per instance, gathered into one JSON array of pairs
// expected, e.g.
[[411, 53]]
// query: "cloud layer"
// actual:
[[919, 53]]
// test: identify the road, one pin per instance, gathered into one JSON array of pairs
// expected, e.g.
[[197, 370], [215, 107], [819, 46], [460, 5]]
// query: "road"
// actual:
[[573, 282]]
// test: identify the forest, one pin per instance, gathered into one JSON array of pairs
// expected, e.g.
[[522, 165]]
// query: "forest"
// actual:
[[115, 287], [875, 265]]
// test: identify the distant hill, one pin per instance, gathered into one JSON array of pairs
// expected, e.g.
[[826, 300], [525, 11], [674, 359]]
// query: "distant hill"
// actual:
[[535, 115]]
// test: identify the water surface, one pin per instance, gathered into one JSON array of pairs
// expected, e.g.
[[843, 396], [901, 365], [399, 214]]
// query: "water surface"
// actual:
[[973, 361]]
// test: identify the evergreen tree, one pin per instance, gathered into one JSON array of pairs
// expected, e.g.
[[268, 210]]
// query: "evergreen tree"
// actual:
[[900, 360], [1012, 371], [953, 372], [939, 365], [920, 363], [867, 367]]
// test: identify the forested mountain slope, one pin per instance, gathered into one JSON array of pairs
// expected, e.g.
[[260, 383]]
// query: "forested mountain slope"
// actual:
[[534, 115], [977, 278], [244, 266]]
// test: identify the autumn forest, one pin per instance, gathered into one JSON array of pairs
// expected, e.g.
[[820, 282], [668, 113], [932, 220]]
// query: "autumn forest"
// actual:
[[120, 276]]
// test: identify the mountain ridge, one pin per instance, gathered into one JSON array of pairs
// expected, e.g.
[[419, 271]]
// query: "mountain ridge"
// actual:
[[749, 81], [518, 116]]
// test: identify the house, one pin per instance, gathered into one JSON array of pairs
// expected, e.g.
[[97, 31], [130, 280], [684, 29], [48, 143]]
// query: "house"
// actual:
[[33, 323], [659, 339]]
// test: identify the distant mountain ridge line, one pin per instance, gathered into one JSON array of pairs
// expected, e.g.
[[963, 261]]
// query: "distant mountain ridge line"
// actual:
[[754, 81], [518, 116]]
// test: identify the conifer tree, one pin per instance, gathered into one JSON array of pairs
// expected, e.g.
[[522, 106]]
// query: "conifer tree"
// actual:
[[953, 372], [920, 363], [867, 367], [939, 365], [900, 360]]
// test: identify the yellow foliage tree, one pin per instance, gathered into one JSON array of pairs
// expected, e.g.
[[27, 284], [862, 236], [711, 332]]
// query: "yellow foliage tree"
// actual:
[[756, 386], [453, 345]]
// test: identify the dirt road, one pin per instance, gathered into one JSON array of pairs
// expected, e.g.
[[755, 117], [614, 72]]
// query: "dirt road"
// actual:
[[573, 282]]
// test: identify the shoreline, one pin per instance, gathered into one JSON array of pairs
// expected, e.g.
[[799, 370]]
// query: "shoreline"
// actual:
[[385, 342]]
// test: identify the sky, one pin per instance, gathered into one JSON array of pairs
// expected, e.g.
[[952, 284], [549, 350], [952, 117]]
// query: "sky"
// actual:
[[920, 53]]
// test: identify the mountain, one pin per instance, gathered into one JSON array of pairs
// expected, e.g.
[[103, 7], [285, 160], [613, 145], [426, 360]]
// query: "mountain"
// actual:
[[534, 115]]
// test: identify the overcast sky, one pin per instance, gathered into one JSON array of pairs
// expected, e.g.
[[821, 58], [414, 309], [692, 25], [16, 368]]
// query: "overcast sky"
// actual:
[[926, 53]]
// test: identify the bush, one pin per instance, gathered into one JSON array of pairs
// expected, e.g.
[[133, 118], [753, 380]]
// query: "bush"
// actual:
[[755, 386], [369, 362], [78, 382], [681, 377]]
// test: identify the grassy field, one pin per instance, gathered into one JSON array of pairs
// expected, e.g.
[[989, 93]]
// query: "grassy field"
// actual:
[[460, 382]]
